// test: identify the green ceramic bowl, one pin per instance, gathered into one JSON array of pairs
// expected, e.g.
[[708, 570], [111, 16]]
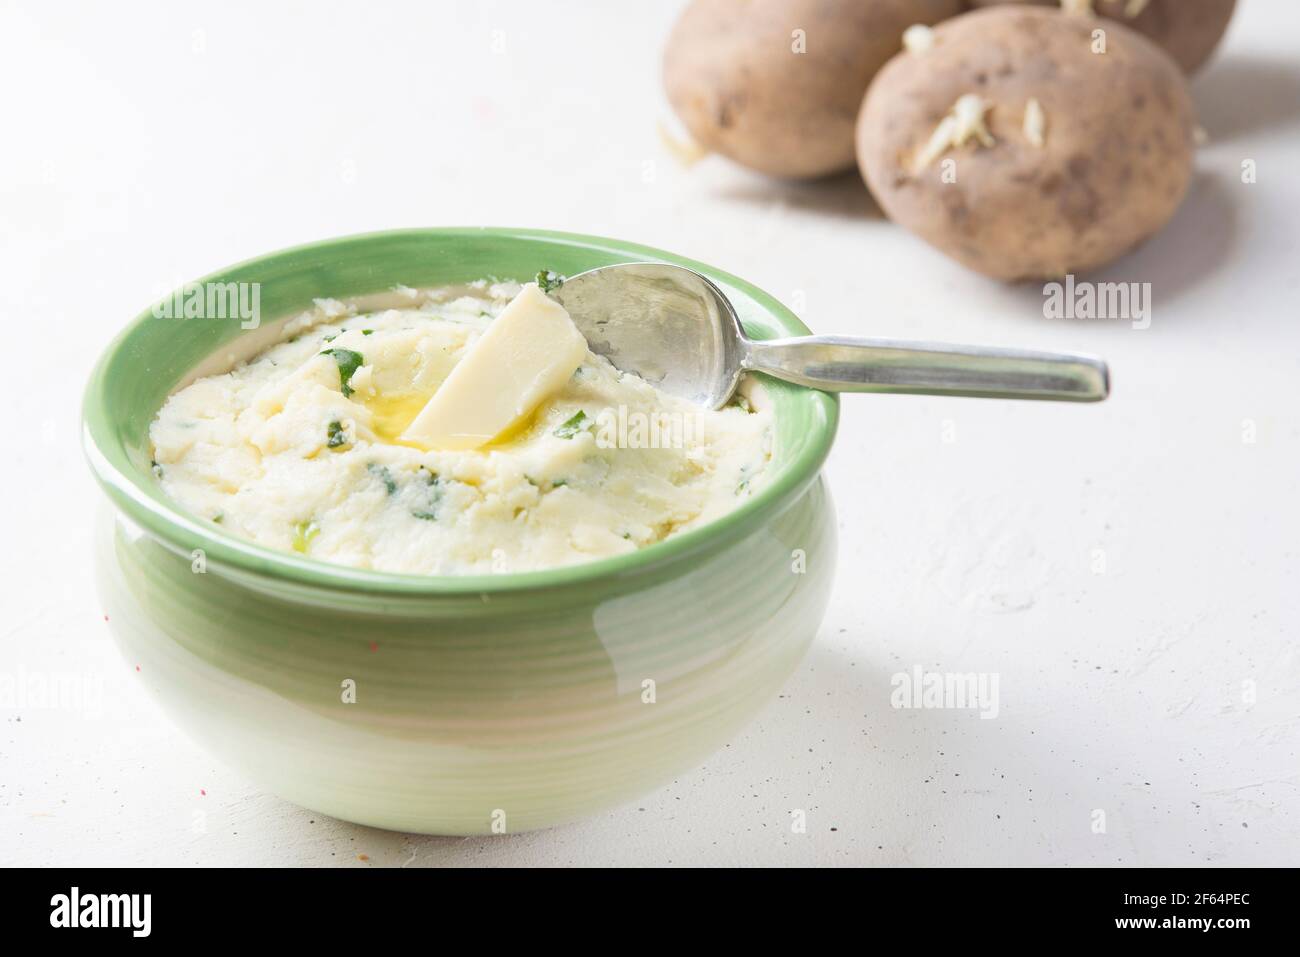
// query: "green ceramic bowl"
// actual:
[[453, 705]]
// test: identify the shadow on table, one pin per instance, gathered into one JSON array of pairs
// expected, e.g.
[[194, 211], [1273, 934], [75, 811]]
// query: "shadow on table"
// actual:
[[1238, 97], [1194, 246], [1196, 243], [843, 195]]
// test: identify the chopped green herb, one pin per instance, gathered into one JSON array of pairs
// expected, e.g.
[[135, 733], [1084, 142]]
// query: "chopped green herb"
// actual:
[[219, 517], [367, 332], [337, 437], [549, 280], [429, 512], [348, 363], [156, 469], [303, 533], [330, 338], [572, 426], [746, 473], [385, 476], [559, 483]]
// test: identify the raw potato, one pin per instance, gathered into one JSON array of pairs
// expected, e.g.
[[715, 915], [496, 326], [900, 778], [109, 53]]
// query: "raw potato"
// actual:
[[1113, 166], [1188, 30], [734, 78]]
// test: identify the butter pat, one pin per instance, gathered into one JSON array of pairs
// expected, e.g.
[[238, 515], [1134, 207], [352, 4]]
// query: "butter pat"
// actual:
[[527, 354]]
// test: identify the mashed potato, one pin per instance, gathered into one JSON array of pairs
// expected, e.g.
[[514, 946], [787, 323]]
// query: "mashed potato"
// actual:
[[298, 448]]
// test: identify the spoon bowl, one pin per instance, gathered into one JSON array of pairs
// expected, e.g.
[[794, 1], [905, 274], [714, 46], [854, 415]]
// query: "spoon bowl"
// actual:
[[667, 324], [677, 330]]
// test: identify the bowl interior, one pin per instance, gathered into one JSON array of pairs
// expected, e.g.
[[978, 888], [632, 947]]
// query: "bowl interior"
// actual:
[[153, 355]]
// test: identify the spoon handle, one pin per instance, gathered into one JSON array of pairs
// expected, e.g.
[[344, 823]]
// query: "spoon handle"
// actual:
[[842, 364]]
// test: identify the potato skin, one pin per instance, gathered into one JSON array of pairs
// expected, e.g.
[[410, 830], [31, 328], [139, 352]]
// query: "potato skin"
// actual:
[[733, 78], [1188, 30], [1115, 165]]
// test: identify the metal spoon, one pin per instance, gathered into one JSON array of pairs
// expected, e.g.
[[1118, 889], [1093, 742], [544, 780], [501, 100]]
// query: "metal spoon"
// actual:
[[678, 331]]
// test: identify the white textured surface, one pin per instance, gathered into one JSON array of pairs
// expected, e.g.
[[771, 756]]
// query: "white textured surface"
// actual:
[[146, 149]]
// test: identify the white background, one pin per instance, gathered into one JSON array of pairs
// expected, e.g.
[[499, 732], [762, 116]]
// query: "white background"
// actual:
[[144, 146]]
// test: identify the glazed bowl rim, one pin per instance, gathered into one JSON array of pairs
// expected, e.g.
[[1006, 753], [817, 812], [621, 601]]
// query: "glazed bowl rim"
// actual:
[[124, 481]]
